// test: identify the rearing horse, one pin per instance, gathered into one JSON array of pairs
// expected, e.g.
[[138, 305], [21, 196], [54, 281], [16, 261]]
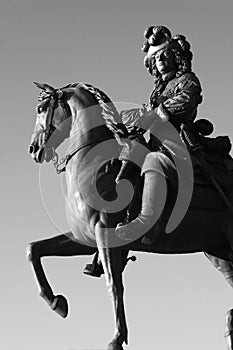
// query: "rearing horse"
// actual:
[[94, 206]]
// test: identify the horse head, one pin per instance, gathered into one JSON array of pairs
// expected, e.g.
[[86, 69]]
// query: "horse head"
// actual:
[[50, 129]]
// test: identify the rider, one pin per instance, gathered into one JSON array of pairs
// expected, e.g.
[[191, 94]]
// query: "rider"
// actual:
[[174, 99]]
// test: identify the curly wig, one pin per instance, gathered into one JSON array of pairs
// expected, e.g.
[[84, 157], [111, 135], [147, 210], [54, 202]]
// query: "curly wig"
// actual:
[[160, 36]]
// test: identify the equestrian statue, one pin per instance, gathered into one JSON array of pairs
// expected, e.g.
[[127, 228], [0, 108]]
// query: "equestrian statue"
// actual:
[[181, 194]]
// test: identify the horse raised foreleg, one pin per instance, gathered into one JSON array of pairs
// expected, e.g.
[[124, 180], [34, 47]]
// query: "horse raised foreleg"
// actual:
[[56, 246], [111, 259], [226, 268]]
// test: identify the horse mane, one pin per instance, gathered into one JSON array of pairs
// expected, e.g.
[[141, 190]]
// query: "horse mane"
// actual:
[[109, 112]]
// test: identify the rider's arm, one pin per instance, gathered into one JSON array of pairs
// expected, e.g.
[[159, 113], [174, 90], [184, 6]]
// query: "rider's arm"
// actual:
[[182, 106]]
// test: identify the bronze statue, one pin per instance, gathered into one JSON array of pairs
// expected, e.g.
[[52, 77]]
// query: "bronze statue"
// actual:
[[175, 98], [206, 226]]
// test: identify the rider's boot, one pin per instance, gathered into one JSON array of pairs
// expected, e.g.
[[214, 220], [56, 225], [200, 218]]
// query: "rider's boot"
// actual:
[[153, 202]]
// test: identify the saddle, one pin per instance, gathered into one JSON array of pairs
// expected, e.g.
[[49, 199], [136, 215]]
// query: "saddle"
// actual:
[[212, 164]]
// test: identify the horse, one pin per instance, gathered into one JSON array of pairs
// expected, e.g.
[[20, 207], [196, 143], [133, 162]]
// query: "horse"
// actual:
[[87, 117]]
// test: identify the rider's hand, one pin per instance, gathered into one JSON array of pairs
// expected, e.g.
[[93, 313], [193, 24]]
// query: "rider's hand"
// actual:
[[147, 119]]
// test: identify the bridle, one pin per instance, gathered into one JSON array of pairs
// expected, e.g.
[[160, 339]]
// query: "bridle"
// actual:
[[60, 165], [57, 99]]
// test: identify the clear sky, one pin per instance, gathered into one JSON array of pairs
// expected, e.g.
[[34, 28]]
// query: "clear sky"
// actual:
[[171, 301]]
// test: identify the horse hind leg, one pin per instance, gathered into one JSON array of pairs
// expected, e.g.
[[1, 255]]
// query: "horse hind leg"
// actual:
[[227, 271], [229, 329], [60, 245], [226, 268]]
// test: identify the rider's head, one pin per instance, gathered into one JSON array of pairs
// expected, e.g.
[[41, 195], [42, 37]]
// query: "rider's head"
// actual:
[[164, 53]]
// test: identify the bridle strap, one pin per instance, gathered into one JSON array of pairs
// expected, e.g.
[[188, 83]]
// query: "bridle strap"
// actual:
[[57, 163], [55, 98], [47, 130], [60, 165]]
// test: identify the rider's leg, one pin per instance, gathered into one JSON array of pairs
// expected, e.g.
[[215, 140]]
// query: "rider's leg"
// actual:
[[153, 201], [157, 168], [226, 268]]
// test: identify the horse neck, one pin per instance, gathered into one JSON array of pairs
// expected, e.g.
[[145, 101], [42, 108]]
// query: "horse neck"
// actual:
[[88, 125], [93, 140]]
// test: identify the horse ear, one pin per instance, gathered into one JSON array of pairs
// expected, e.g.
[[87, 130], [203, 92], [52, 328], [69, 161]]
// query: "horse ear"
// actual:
[[40, 86], [45, 87]]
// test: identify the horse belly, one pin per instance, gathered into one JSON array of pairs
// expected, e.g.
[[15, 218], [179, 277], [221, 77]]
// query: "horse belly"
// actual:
[[199, 230]]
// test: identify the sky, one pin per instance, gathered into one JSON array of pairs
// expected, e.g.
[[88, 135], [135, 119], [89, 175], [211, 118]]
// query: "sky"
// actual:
[[171, 301]]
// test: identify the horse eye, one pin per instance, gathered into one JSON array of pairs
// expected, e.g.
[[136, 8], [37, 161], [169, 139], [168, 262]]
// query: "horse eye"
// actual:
[[40, 109]]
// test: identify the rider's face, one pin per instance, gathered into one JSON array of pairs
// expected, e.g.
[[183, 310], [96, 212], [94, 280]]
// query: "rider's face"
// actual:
[[165, 61]]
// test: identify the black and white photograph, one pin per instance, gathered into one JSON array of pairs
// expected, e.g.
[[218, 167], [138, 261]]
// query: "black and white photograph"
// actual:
[[117, 174]]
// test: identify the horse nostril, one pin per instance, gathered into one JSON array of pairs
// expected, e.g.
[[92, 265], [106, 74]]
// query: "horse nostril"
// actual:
[[31, 149]]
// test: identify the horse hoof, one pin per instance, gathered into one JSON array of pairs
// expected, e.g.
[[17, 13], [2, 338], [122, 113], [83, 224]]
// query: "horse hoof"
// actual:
[[114, 346], [60, 306]]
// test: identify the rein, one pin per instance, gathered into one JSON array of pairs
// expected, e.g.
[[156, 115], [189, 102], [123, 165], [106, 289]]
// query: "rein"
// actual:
[[58, 163]]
